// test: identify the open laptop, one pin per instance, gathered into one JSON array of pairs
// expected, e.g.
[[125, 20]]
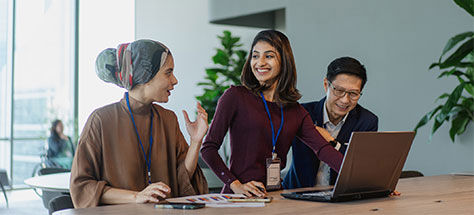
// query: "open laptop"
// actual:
[[371, 167]]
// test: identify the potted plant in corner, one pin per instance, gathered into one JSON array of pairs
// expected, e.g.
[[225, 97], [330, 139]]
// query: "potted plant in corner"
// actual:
[[459, 106], [229, 62]]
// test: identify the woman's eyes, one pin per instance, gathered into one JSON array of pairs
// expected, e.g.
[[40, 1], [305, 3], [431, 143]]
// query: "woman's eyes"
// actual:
[[269, 56]]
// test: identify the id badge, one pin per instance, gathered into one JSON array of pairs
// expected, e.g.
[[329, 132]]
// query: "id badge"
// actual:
[[273, 173]]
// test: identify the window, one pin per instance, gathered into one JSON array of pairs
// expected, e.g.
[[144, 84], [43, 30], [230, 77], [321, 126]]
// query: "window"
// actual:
[[43, 78], [5, 83], [37, 79]]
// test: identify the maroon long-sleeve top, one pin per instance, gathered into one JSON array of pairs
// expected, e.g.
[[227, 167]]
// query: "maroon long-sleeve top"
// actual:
[[243, 114]]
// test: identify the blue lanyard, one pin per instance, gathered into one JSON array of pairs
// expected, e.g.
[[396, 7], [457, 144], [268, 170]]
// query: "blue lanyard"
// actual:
[[274, 138], [147, 158]]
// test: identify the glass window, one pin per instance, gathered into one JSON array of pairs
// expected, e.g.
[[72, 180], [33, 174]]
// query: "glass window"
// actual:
[[43, 78], [5, 83]]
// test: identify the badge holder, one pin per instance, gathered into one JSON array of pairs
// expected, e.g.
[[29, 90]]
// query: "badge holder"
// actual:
[[273, 173]]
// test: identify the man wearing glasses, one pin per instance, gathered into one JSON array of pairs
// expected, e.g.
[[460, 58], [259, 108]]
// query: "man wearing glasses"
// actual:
[[339, 114]]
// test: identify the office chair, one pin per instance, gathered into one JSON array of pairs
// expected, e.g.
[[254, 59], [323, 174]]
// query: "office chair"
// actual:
[[410, 174], [60, 203], [4, 182], [46, 194]]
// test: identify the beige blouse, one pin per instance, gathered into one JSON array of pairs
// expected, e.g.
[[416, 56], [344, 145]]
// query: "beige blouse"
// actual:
[[109, 155]]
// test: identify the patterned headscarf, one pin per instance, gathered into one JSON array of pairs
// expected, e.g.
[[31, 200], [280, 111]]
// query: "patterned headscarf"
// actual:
[[131, 63]]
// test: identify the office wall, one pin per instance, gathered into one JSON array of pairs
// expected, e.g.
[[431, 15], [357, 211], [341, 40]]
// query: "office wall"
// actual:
[[396, 40], [184, 27]]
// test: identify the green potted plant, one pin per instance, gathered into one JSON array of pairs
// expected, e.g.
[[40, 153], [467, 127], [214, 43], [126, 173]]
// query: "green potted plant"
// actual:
[[459, 106], [228, 61]]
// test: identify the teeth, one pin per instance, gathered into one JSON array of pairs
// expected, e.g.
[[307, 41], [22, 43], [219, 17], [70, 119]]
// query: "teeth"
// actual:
[[343, 107], [262, 70]]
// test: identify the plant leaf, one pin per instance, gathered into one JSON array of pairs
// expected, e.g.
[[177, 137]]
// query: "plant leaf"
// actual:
[[433, 65], [444, 114], [456, 57], [467, 5], [470, 73], [458, 125], [455, 40], [444, 95], [452, 100], [453, 71], [211, 75], [426, 118], [221, 58]]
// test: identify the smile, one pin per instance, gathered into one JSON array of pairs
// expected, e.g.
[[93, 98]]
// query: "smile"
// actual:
[[262, 71], [344, 107]]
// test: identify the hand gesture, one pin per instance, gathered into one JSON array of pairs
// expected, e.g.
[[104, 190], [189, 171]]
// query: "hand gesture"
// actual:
[[252, 188], [326, 135], [198, 128], [152, 193]]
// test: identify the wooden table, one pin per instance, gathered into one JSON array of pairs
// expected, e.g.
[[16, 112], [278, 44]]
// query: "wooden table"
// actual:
[[52, 182], [444, 194]]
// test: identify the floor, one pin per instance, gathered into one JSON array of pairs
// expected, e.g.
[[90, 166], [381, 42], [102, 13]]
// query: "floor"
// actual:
[[22, 202]]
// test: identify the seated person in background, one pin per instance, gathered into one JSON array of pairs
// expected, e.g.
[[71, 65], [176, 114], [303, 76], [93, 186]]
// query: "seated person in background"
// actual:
[[133, 151], [60, 148], [339, 114]]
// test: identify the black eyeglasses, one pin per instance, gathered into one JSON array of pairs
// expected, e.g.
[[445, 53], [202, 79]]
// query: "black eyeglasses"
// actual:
[[340, 92]]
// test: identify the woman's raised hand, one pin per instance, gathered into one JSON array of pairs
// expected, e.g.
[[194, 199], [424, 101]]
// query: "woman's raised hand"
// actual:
[[152, 193], [198, 128]]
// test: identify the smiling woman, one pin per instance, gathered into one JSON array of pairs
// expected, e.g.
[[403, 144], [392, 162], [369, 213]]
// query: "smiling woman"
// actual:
[[263, 117], [133, 151]]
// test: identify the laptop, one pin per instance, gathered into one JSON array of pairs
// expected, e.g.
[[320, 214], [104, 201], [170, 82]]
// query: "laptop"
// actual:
[[371, 167]]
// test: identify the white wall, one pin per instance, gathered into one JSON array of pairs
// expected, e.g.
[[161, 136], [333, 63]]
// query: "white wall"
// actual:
[[183, 26]]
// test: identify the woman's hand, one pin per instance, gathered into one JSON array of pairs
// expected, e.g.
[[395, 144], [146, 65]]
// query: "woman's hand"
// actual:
[[395, 193], [152, 193], [198, 128], [252, 188], [326, 135]]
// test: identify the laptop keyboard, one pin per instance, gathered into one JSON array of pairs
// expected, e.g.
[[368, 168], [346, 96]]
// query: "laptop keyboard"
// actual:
[[319, 193]]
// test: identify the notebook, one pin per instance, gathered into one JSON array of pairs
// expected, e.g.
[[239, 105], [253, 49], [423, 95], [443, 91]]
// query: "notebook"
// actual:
[[371, 167]]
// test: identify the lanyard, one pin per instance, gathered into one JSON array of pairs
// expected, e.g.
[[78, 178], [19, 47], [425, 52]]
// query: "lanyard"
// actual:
[[147, 158], [274, 138]]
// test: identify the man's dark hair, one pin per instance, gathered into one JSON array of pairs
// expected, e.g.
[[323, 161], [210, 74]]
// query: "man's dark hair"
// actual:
[[286, 91], [347, 65]]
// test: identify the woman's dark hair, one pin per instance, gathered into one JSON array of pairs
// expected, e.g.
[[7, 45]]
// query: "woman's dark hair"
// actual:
[[347, 65], [285, 91], [54, 133]]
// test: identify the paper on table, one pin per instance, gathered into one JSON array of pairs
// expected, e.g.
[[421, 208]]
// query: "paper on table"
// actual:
[[216, 200]]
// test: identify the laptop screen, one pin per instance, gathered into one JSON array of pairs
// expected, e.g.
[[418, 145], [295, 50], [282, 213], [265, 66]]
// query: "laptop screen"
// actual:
[[373, 162]]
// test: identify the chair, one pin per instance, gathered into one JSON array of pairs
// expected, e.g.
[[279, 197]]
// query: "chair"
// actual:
[[410, 174], [60, 203], [4, 182], [49, 195]]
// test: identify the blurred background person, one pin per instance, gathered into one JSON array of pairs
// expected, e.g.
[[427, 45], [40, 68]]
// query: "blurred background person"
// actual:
[[60, 151]]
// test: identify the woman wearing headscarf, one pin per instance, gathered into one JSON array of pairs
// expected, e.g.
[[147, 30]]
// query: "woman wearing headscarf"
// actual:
[[133, 151]]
